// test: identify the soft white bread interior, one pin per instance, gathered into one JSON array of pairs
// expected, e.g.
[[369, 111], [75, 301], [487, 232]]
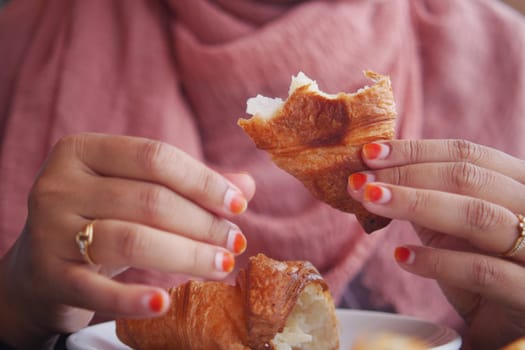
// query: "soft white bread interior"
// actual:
[[310, 325], [267, 107]]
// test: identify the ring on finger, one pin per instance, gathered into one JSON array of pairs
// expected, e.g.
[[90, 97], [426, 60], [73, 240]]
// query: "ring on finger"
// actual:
[[84, 239], [520, 241]]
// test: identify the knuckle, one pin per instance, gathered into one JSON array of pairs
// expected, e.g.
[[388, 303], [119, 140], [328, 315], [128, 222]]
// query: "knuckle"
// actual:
[[194, 260], [484, 274], [151, 201], [114, 302], [467, 177], [204, 182], [77, 144], [52, 183], [438, 266], [400, 176], [68, 142], [414, 150], [418, 201], [481, 215], [44, 191], [152, 156], [132, 243], [216, 230], [465, 151]]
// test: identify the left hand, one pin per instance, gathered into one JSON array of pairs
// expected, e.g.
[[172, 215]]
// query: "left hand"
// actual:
[[463, 200]]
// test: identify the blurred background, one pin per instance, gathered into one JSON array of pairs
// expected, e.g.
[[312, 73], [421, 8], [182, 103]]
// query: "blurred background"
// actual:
[[517, 4]]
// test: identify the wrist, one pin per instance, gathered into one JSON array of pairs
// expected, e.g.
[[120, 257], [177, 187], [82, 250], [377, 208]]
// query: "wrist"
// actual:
[[17, 329]]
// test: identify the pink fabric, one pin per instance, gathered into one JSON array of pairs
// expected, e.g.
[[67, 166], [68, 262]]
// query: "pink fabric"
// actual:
[[181, 71]]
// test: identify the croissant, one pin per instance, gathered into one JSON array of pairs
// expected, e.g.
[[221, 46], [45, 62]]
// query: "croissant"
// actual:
[[273, 306], [317, 137]]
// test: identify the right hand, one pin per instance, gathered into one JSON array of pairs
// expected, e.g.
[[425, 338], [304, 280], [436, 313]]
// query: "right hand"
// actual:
[[155, 208]]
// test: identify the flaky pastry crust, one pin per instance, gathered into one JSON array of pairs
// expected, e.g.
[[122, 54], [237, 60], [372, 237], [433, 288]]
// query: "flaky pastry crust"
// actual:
[[203, 315], [318, 139]]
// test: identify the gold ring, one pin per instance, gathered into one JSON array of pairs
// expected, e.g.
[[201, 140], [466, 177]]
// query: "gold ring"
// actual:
[[520, 241], [84, 239]]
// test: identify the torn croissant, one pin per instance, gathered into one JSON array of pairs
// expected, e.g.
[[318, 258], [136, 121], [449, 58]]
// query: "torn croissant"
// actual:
[[317, 137], [273, 306]]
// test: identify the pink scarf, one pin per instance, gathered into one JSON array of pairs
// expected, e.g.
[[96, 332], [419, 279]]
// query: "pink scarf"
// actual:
[[181, 71]]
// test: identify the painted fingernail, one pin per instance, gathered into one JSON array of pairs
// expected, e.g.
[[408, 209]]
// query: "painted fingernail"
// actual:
[[404, 255], [357, 180], [236, 241], [155, 302], [224, 262], [235, 202], [376, 194], [376, 150]]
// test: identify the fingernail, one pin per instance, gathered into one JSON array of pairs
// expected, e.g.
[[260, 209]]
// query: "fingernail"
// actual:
[[234, 201], [155, 302], [224, 262], [404, 255], [357, 180], [376, 194], [236, 241], [376, 151]]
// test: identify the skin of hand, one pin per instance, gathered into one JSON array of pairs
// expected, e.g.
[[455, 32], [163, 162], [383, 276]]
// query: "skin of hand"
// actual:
[[462, 199], [155, 208]]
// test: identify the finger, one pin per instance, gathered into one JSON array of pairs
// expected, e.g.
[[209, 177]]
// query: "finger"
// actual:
[[403, 152], [497, 279], [154, 161], [86, 289], [485, 225], [460, 178], [157, 206], [121, 243], [244, 182]]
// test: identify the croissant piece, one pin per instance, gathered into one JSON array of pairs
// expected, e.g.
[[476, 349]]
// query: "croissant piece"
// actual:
[[273, 306], [288, 306], [317, 137], [203, 315]]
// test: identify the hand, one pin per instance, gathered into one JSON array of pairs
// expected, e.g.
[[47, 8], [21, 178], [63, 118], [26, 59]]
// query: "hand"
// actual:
[[155, 208], [462, 199]]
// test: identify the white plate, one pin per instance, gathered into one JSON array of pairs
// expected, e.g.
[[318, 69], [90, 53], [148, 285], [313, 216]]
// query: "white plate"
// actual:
[[352, 322]]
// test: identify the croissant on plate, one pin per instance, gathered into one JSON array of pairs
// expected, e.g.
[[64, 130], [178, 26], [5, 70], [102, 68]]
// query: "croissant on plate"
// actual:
[[317, 137], [273, 306]]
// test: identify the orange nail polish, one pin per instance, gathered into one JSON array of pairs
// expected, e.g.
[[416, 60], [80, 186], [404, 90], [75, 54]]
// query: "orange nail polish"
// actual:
[[357, 180], [404, 255], [375, 151], [236, 241], [224, 261], [235, 202], [239, 244], [156, 302], [376, 194], [238, 204]]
